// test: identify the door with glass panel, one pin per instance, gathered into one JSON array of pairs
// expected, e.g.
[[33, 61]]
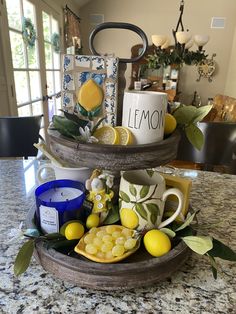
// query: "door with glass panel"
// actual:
[[36, 64]]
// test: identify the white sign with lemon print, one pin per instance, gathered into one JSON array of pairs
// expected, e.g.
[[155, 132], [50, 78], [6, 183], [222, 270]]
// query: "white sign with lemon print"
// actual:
[[142, 199]]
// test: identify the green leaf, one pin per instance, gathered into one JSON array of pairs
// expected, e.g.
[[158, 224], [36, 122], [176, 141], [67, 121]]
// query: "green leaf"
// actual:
[[97, 125], [125, 197], [140, 209], [67, 127], [154, 211], [54, 236], [222, 251], [62, 243], [150, 172], [144, 191], [185, 114], [201, 113], [169, 232], [188, 231], [186, 223], [23, 257], [74, 118], [113, 216], [132, 190], [199, 244], [195, 136], [214, 272], [213, 266]]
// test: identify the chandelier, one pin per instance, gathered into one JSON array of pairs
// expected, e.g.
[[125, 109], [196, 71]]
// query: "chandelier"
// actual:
[[180, 53]]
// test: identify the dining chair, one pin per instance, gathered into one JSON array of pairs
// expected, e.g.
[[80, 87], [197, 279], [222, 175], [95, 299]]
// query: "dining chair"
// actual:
[[219, 146], [18, 134]]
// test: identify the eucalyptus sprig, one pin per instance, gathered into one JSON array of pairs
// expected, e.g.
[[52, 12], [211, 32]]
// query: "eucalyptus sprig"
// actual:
[[24, 256], [202, 244], [70, 125], [187, 118]]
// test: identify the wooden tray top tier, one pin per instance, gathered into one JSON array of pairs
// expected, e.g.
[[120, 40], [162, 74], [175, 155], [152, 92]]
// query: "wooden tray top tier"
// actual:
[[114, 157]]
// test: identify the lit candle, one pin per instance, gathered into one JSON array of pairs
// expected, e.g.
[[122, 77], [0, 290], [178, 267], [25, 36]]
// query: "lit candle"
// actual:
[[57, 202]]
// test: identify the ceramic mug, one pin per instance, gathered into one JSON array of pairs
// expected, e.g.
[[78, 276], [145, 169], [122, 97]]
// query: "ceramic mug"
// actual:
[[144, 114], [76, 174], [145, 193]]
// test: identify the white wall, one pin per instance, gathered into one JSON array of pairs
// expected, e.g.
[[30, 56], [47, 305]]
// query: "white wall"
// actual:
[[160, 16], [230, 87]]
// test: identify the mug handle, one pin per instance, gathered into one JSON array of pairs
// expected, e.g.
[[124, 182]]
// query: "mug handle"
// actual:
[[39, 172], [180, 197]]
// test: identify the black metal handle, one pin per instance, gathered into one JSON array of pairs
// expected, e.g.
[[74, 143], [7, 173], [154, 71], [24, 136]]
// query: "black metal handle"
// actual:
[[121, 25]]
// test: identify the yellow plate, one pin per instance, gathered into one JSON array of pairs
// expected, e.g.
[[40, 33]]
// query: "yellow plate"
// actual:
[[80, 249]]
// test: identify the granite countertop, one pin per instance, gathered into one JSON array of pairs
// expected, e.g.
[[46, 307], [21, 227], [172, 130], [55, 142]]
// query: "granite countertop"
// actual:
[[191, 289]]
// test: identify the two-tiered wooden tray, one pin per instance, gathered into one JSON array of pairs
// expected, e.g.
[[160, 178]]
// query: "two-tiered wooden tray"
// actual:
[[140, 269]]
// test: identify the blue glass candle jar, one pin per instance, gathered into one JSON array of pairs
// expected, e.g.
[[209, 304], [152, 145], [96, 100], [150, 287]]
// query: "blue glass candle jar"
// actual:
[[57, 202]]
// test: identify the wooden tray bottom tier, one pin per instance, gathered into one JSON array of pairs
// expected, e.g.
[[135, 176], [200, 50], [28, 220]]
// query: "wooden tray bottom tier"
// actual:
[[138, 270]]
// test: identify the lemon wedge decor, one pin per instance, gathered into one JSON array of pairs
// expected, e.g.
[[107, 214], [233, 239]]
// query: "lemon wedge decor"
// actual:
[[107, 135], [108, 244], [126, 137], [90, 97]]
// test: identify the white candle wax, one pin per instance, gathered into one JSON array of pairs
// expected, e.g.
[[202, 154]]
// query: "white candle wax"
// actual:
[[60, 194]]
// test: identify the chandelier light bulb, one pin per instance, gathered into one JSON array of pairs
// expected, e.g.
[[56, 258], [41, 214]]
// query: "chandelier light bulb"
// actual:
[[158, 40], [201, 40], [166, 43], [189, 44], [183, 37]]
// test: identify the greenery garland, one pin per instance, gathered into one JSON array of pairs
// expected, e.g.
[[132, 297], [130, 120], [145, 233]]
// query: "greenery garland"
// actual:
[[55, 40], [29, 33]]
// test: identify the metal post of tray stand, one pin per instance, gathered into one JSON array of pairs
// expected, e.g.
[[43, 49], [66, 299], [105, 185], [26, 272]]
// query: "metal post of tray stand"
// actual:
[[122, 62]]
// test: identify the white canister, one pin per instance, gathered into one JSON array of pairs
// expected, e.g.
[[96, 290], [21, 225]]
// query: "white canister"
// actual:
[[144, 114]]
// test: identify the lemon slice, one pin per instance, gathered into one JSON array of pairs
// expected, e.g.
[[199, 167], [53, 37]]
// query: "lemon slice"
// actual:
[[107, 135], [126, 137], [100, 234]]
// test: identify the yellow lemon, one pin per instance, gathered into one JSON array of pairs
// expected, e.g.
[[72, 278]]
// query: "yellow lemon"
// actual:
[[92, 221], [74, 231], [126, 137], [63, 227], [157, 243], [170, 123], [107, 135], [129, 218]]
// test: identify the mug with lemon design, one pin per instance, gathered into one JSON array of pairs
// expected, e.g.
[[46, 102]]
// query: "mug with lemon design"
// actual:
[[142, 197]]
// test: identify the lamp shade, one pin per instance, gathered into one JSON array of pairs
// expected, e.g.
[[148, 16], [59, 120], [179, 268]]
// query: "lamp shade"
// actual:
[[158, 40], [189, 44], [183, 37], [166, 43], [201, 40]]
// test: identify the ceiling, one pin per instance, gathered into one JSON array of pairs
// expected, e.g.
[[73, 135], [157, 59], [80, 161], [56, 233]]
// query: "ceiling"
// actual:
[[81, 3]]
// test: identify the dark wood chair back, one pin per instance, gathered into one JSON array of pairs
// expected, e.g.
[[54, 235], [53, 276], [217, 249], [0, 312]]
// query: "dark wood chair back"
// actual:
[[219, 147], [18, 134]]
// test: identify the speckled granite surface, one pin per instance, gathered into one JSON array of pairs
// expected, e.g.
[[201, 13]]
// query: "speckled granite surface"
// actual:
[[190, 290]]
